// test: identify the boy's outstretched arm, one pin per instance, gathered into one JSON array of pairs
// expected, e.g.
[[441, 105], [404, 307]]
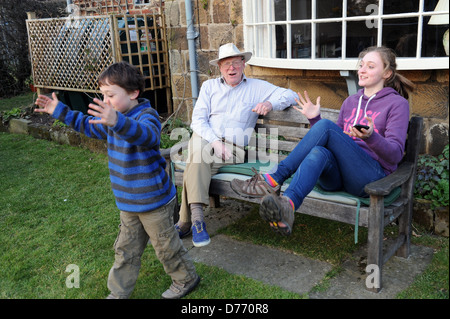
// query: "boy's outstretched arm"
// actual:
[[75, 119], [46, 104]]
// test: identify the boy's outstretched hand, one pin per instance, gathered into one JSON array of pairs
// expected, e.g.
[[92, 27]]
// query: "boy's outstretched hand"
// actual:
[[104, 111], [46, 104]]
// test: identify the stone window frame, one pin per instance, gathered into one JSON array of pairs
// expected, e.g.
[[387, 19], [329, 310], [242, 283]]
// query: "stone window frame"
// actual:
[[259, 38]]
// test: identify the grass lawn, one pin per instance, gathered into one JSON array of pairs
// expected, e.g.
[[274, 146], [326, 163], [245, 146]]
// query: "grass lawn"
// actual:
[[57, 210], [20, 101]]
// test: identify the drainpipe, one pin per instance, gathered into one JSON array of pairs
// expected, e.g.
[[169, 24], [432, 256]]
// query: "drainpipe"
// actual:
[[191, 35], [69, 6]]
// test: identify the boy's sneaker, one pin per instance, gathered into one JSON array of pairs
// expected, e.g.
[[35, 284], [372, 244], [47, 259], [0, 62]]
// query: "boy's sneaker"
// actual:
[[200, 236], [256, 186], [180, 231], [276, 209], [177, 291]]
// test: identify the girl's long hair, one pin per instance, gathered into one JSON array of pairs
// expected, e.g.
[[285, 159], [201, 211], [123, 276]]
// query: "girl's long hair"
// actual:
[[396, 81]]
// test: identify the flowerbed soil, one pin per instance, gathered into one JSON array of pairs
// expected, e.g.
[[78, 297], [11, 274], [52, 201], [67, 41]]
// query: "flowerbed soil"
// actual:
[[40, 118]]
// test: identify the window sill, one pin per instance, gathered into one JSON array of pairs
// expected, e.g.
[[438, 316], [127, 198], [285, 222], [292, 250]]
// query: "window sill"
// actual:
[[347, 64]]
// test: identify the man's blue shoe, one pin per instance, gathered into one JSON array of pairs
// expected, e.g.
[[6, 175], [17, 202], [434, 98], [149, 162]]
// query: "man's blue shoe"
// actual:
[[180, 231], [200, 236]]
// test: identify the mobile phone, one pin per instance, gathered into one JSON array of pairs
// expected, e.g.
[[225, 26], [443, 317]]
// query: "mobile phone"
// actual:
[[360, 126]]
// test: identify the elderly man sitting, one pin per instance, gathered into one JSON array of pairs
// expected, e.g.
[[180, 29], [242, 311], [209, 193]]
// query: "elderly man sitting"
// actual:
[[222, 121]]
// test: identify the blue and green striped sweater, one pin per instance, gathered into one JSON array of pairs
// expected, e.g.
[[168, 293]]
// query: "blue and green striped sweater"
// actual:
[[137, 169]]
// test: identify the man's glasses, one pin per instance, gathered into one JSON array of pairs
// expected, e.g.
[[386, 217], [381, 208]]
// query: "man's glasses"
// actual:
[[228, 64]]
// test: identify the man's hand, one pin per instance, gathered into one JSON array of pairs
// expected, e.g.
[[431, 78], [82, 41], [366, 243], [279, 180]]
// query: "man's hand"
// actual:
[[220, 150], [46, 104], [263, 108], [107, 113]]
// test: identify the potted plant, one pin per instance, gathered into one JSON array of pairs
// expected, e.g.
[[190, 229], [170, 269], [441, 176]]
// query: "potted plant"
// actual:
[[29, 82]]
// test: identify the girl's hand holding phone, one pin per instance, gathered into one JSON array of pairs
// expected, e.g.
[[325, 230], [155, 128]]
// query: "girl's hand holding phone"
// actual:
[[362, 131]]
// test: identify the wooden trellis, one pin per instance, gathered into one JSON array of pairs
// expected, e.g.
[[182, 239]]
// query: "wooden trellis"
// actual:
[[69, 54], [141, 40]]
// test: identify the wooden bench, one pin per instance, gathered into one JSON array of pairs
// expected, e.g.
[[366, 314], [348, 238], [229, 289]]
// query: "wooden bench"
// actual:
[[292, 126]]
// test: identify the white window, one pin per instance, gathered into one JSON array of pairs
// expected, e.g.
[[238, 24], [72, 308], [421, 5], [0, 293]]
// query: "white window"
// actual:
[[329, 34]]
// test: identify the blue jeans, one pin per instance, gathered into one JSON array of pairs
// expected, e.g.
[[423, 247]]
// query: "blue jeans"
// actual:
[[328, 156]]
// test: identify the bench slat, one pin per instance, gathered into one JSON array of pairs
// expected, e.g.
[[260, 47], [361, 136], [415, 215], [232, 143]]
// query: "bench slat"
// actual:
[[286, 131], [294, 116], [271, 144]]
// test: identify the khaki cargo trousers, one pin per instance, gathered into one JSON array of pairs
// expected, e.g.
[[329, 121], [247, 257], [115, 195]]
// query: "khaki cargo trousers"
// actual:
[[201, 165], [135, 229]]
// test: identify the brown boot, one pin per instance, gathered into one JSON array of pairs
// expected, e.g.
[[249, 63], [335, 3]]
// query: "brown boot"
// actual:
[[256, 186], [276, 209]]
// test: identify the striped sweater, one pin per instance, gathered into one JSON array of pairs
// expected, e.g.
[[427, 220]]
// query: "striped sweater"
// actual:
[[137, 169]]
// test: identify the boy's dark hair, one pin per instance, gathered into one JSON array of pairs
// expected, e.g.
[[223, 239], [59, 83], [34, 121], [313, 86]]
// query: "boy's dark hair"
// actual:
[[125, 75]]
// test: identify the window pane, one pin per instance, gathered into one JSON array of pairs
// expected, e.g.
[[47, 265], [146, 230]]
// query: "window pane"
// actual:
[[433, 32], [361, 7], [262, 48], [401, 35], [280, 36], [328, 40], [400, 6], [260, 12], [329, 9], [301, 41], [359, 37], [280, 10], [430, 5], [432, 39], [300, 9]]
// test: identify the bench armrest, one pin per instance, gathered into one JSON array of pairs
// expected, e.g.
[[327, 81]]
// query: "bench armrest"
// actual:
[[168, 153], [384, 186]]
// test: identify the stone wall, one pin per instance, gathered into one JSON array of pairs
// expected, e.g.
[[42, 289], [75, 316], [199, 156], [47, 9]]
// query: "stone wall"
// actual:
[[221, 21], [217, 22], [105, 7]]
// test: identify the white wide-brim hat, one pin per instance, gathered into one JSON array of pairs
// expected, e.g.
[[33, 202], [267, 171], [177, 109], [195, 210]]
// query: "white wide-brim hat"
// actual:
[[230, 50]]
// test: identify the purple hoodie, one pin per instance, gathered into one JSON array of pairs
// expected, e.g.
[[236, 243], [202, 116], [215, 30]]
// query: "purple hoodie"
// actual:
[[390, 114]]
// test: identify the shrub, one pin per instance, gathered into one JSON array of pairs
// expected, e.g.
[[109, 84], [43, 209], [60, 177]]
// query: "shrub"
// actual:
[[167, 128], [11, 114], [432, 178]]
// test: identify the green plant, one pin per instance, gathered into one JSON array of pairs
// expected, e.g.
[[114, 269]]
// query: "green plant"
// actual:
[[168, 126], [441, 193], [432, 178], [58, 123], [13, 113], [29, 80]]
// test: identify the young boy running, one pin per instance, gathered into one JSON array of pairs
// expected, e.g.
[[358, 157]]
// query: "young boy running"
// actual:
[[144, 192]]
